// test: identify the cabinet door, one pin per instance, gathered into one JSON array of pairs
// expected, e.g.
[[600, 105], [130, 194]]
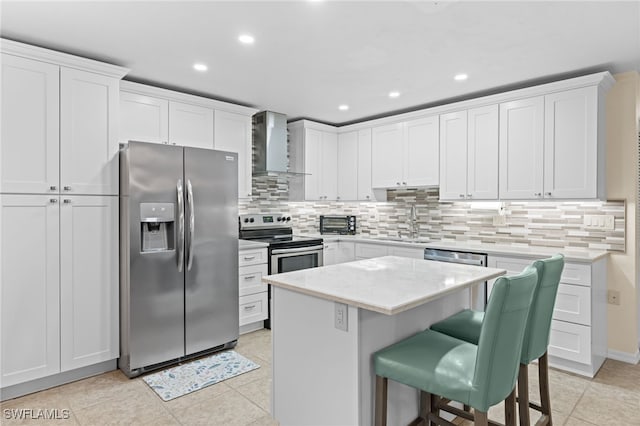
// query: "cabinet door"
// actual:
[[365, 192], [29, 157], [387, 156], [571, 144], [329, 166], [232, 132], [482, 153], [346, 252], [312, 164], [89, 280], [330, 254], [348, 166], [29, 284], [190, 125], [521, 149], [143, 118], [88, 133], [453, 156], [421, 159]]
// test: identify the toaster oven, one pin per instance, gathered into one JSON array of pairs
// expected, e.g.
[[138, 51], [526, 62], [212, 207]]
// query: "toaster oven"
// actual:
[[341, 225]]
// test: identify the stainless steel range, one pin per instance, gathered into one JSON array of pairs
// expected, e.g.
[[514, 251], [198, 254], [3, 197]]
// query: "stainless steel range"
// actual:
[[287, 252]]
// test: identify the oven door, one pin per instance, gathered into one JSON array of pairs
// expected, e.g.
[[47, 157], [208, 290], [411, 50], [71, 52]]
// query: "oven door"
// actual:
[[293, 259]]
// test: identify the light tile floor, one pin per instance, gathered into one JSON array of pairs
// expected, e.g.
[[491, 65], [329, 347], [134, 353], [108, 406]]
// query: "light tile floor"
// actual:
[[612, 398]]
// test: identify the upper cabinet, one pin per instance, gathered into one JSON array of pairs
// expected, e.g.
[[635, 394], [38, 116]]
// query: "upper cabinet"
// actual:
[[469, 154], [59, 124], [405, 154], [551, 146], [354, 166], [152, 114], [233, 133]]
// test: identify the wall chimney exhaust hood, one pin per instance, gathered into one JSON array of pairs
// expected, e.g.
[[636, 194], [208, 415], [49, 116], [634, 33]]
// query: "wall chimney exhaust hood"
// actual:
[[270, 153]]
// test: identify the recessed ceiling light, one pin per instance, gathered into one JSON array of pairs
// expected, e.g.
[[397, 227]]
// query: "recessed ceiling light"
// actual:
[[343, 107], [460, 77], [200, 67], [246, 39], [394, 94]]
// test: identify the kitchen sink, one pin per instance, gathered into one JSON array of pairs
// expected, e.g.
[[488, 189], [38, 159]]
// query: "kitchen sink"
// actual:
[[405, 239]]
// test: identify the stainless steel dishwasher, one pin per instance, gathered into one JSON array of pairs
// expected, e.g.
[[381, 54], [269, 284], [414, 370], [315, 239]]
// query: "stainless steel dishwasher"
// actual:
[[479, 293]]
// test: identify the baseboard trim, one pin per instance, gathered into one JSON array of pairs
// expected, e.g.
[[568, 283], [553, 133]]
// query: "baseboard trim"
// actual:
[[624, 356]]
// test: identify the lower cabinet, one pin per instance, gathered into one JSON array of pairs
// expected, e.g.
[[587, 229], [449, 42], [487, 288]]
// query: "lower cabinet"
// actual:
[[369, 250], [59, 284], [253, 292], [338, 252], [578, 339]]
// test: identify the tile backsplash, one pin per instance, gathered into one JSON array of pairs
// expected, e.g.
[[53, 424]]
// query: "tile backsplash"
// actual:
[[541, 223]]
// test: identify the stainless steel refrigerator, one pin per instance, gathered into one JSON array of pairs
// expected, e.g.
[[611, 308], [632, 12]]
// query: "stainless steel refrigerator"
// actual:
[[178, 254]]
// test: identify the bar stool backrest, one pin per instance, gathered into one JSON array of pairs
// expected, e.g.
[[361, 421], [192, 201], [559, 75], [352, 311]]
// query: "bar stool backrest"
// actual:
[[536, 337], [501, 337]]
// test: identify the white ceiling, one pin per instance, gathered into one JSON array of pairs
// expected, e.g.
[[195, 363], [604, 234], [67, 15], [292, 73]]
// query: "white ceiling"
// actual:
[[309, 57]]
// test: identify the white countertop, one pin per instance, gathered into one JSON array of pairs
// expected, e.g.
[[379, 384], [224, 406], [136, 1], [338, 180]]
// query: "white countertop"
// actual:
[[388, 284], [528, 251], [248, 245]]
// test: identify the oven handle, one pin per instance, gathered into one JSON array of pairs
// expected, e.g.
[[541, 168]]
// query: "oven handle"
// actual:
[[297, 250]]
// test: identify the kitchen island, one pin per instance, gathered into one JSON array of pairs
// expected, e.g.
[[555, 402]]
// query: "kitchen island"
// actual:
[[328, 321]]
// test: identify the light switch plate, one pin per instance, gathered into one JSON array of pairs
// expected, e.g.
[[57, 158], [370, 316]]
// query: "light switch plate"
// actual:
[[341, 317], [603, 222]]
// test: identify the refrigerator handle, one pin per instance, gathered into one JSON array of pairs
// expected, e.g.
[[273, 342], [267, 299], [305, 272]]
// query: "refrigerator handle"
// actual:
[[192, 224], [180, 245]]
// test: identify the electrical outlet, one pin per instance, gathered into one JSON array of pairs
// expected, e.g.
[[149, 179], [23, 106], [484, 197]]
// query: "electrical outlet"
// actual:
[[341, 317], [613, 297]]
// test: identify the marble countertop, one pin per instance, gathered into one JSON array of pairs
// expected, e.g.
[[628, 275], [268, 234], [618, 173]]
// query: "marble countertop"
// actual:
[[248, 245], [388, 284], [571, 255]]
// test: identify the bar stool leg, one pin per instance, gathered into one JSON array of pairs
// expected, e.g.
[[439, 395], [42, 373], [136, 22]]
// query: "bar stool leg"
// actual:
[[543, 377], [523, 395], [381, 401], [510, 409], [480, 418]]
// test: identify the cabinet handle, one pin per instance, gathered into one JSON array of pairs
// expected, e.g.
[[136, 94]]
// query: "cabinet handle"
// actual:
[[338, 197], [404, 183], [538, 194], [469, 195], [461, 195], [249, 257], [53, 200], [66, 201], [67, 188], [548, 194], [368, 196], [248, 308], [398, 183], [53, 187], [249, 277]]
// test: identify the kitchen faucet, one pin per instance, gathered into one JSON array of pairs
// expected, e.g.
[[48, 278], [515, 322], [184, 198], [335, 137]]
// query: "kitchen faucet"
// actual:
[[413, 218]]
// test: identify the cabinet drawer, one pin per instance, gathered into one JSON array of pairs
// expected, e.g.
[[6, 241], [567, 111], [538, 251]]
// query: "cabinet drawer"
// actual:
[[367, 251], [250, 279], [570, 341], [577, 274], [573, 304], [413, 253], [252, 257], [253, 308]]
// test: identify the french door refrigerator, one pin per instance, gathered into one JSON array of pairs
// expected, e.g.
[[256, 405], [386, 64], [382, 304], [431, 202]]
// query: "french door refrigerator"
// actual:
[[178, 254]]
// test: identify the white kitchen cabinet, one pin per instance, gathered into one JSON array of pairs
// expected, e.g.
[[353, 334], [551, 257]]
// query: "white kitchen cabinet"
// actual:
[[143, 118], [521, 149], [338, 252], [365, 191], [190, 125], [320, 165], [368, 250], [88, 133], [253, 300], [405, 154], [413, 253], [348, 166], [571, 168], [578, 338], [232, 132], [59, 129], [469, 154], [29, 153], [30, 287], [89, 305]]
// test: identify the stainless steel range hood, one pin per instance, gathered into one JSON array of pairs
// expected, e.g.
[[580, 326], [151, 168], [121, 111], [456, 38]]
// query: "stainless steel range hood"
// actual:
[[270, 154]]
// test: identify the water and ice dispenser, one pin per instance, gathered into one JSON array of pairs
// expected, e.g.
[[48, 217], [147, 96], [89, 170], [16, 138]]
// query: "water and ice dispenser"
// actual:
[[157, 224]]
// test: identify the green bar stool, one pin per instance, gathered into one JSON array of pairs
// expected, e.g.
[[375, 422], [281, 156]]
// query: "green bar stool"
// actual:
[[448, 369], [467, 325]]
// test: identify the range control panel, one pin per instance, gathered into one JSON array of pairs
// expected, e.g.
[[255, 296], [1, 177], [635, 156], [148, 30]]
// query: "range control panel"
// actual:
[[268, 220]]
